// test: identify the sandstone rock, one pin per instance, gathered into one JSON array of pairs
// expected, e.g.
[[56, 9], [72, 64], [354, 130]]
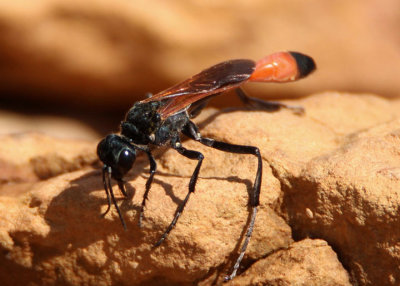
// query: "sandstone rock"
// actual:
[[27, 157], [55, 126], [351, 198], [307, 262], [55, 232], [331, 174]]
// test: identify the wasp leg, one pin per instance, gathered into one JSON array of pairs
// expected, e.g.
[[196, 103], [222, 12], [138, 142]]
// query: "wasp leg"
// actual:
[[192, 131], [153, 168], [121, 185], [267, 105], [194, 155], [109, 191], [198, 106]]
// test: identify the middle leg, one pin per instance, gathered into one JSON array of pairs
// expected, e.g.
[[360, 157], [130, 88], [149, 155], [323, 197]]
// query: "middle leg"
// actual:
[[194, 155], [153, 168]]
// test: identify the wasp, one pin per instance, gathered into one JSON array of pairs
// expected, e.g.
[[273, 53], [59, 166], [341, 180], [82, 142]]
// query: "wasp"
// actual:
[[160, 119]]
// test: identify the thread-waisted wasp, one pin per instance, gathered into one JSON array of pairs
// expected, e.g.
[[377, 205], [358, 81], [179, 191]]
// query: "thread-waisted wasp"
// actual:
[[161, 118]]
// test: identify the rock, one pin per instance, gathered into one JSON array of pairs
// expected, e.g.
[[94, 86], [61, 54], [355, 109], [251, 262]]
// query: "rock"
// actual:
[[54, 126], [55, 232], [330, 175], [27, 157], [353, 196], [307, 262]]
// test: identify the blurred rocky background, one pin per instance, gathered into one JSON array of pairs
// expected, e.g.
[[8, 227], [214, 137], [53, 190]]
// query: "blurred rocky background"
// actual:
[[90, 60], [330, 200]]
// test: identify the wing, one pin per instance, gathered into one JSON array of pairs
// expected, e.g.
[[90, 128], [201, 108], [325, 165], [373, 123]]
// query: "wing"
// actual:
[[216, 79]]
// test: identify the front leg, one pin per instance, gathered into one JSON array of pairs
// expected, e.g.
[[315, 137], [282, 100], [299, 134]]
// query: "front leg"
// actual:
[[109, 191], [194, 155], [121, 188], [192, 131]]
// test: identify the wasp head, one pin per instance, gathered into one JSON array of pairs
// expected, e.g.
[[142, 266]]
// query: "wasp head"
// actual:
[[117, 154]]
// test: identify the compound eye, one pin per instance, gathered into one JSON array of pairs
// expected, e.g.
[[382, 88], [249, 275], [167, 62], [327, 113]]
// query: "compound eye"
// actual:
[[126, 159]]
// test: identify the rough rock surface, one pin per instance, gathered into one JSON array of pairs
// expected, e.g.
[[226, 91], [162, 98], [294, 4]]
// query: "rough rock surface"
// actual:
[[54, 125], [307, 262], [29, 157], [332, 174]]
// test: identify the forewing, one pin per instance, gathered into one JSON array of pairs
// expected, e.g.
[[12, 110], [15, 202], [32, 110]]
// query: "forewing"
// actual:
[[175, 104], [216, 79]]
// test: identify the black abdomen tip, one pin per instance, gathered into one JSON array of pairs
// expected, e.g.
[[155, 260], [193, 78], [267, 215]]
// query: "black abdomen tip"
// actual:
[[305, 64]]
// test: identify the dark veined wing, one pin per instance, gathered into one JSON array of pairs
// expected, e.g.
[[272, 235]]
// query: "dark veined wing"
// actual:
[[216, 79]]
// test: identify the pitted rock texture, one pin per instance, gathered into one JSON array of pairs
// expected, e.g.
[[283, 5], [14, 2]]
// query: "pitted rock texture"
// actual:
[[307, 262], [328, 215], [27, 157]]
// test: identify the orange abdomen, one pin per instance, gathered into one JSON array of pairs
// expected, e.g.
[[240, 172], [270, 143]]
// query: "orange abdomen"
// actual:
[[282, 67]]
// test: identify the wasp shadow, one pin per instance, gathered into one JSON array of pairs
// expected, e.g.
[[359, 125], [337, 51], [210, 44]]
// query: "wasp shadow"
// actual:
[[206, 121], [74, 215]]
